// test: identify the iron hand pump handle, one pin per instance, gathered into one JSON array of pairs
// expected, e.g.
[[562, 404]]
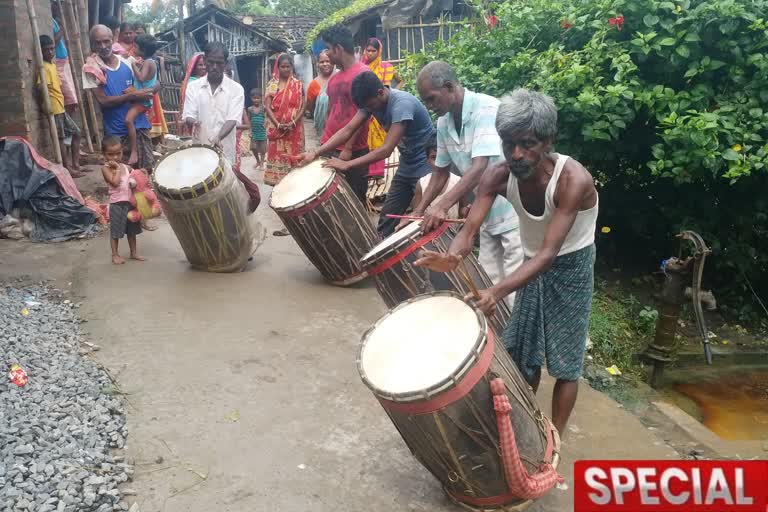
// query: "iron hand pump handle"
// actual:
[[700, 254]]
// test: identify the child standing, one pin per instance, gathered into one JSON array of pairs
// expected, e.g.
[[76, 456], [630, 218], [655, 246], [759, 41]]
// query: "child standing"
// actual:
[[458, 211], [258, 132], [116, 175], [68, 130], [144, 77]]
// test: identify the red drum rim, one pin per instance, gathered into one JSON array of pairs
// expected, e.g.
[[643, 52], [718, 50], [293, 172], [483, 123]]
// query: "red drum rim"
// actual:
[[400, 251], [198, 189], [300, 208], [407, 399]]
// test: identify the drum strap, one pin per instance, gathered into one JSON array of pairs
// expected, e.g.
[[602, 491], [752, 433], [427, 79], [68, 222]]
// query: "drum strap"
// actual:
[[459, 391], [314, 204], [397, 257]]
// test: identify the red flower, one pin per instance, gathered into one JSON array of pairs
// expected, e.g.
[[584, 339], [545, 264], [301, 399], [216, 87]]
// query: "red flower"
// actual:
[[617, 22], [493, 20], [566, 24]]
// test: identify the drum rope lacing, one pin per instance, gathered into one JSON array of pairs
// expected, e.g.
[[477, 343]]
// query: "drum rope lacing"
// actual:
[[520, 483]]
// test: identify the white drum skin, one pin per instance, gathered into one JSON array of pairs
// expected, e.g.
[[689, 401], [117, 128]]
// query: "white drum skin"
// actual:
[[300, 185]]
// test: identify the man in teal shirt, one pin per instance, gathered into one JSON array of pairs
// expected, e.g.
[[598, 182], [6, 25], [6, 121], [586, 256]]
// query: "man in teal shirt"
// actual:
[[467, 138]]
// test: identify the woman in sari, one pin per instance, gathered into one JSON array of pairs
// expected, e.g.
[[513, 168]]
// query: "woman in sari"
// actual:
[[195, 70], [386, 72], [317, 98], [284, 107]]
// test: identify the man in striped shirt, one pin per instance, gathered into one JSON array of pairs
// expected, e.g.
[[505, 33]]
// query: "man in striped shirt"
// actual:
[[467, 138]]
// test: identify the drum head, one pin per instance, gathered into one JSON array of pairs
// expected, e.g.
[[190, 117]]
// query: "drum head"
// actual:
[[391, 241], [186, 167], [419, 344], [300, 185]]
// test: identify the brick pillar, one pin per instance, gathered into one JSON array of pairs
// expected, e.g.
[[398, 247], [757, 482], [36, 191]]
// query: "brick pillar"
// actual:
[[20, 113]]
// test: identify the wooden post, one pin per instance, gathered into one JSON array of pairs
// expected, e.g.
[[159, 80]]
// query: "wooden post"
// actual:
[[74, 12], [43, 79], [388, 33], [423, 43], [75, 76], [111, 7], [97, 14], [398, 43], [182, 42]]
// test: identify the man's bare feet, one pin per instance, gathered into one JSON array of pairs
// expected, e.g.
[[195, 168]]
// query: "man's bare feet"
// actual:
[[117, 260], [138, 258], [76, 174]]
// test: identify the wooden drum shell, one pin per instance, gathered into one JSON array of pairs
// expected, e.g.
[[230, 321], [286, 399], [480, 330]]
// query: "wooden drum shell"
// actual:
[[398, 279], [210, 220], [333, 230], [458, 442]]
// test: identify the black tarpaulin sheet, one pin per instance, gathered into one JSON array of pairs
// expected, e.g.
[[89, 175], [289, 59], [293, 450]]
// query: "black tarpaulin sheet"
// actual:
[[29, 181]]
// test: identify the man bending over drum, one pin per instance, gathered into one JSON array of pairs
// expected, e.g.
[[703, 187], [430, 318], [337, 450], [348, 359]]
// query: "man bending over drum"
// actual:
[[213, 107], [556, 202], [408, 127], [467, 138]]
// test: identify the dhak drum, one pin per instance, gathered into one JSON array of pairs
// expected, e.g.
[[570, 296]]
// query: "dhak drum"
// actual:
[[207, 208], [327, 221], [397, 279], [459, 403]]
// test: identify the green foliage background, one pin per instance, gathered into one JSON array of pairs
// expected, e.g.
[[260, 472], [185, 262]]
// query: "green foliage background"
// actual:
[[668, 109]]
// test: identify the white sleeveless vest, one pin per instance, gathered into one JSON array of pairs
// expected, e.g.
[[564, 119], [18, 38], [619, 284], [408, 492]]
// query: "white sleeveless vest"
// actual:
[[532, 228]]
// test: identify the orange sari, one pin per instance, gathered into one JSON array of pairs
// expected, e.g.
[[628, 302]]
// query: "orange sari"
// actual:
[[285, 146]]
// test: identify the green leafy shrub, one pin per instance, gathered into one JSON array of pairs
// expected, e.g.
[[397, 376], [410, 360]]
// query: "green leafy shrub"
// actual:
[[665, 102]]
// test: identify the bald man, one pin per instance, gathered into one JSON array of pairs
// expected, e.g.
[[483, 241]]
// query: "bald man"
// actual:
[[109, 88]]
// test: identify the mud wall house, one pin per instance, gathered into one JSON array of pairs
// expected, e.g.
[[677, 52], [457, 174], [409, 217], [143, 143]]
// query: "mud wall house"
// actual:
[[253, 43], [403, 26]]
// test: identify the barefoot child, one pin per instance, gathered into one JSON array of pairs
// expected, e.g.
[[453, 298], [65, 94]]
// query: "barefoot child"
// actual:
[[258, 132], [116, 175], [144, 77]]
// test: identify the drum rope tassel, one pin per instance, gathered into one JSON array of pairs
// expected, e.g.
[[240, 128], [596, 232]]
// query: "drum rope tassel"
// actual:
[[520, 482]]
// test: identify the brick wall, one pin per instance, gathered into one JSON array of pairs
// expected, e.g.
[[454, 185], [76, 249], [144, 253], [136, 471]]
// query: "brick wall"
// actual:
[[19, 111]]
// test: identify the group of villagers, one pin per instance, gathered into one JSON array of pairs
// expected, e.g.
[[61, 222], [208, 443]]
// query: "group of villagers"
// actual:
[[275, 117]]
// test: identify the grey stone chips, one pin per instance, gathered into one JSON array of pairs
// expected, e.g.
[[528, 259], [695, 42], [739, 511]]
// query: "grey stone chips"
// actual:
[[60, 434]]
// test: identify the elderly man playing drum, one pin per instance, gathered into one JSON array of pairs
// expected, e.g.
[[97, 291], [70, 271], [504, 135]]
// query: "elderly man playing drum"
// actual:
[[557, 202], [213, 107], [467, 138]]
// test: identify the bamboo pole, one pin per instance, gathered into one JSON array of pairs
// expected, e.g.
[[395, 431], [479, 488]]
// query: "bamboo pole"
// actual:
[[76, 78], [97, 14], [111, 7], [44, 80], [182, 49], [398, 43], [423, 43], [75, 12], [389, 51]]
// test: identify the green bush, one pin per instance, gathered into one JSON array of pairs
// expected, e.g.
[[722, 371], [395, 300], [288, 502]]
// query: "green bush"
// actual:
[[665, 102]]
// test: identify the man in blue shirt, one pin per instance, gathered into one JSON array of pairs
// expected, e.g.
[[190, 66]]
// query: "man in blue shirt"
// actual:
[[110, 93], [408, 127]]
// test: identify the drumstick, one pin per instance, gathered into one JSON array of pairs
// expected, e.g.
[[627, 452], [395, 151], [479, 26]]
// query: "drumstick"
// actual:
[[465, 274], [412, 217]]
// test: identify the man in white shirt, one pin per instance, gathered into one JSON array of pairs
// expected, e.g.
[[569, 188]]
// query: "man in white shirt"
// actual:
[[213, 107], [214, 104]]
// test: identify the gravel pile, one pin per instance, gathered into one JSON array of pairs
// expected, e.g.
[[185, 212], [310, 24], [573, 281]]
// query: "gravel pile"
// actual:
[[60, 433]]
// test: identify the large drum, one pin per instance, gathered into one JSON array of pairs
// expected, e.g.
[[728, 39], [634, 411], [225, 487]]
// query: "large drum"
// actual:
[[398, 279], [460, 403], [327, 221], [207, 208]]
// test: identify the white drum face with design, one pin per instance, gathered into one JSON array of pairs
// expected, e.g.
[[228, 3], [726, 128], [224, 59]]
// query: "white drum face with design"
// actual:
[[186, 168], [393, 239], [300, 184], [420, 344]]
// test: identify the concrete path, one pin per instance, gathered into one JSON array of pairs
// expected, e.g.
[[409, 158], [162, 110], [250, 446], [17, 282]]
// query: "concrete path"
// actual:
[[243, 391]]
